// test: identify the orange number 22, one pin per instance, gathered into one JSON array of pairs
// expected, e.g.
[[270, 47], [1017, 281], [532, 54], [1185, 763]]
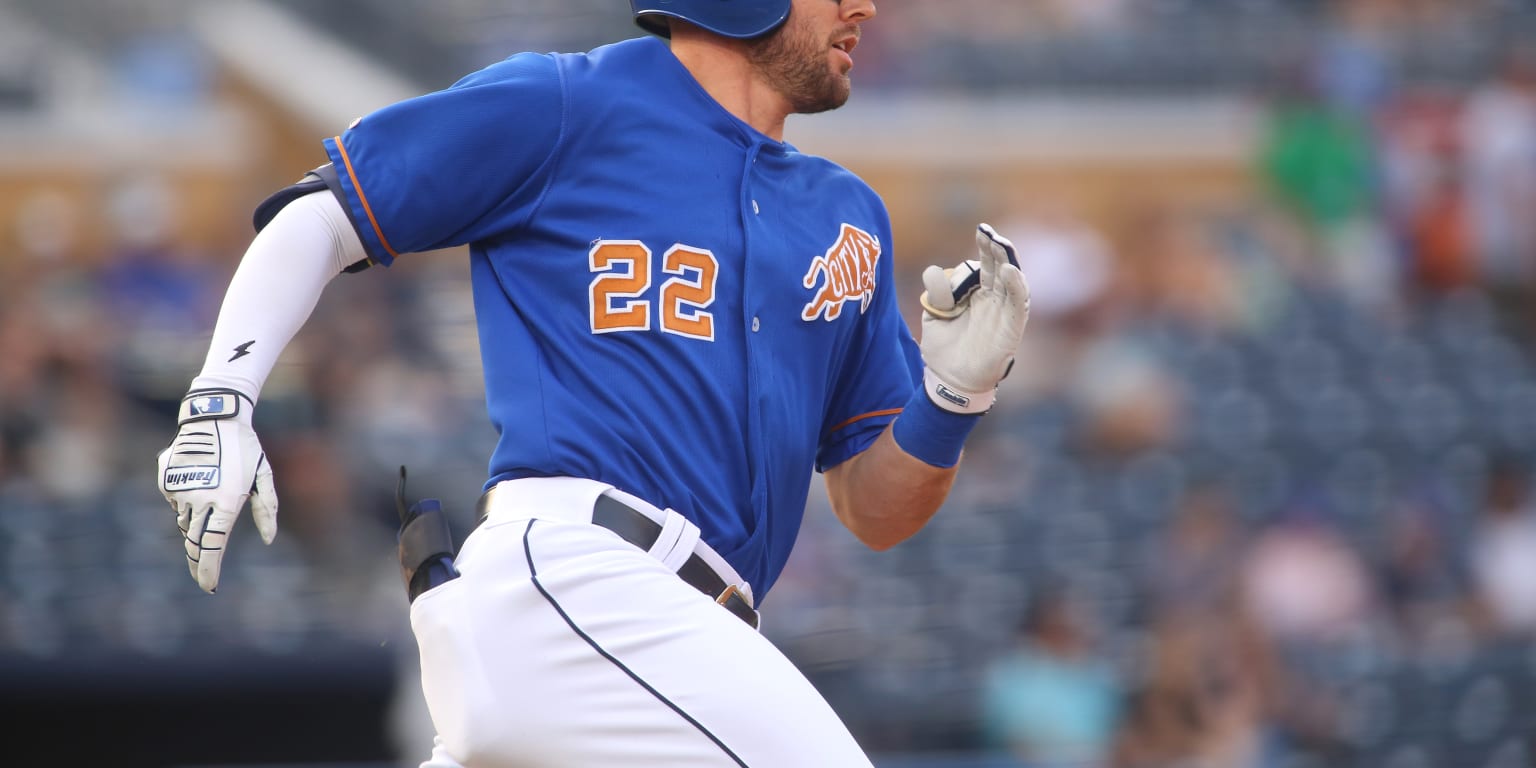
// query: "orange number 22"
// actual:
[[623, 275]]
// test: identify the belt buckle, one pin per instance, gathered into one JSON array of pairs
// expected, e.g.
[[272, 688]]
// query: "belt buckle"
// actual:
[[733, 590], [735, 601]]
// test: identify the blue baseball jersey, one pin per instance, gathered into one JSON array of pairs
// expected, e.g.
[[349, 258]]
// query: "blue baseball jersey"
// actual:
[[667, 300]]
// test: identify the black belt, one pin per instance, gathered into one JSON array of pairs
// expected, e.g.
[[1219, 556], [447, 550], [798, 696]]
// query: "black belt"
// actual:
[[635, 527]]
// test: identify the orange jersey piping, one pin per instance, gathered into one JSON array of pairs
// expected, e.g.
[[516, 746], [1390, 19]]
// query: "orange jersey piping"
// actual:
[[347, 160], [870, 415]]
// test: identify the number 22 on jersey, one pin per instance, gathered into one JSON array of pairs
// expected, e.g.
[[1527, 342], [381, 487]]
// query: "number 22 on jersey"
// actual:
[[623, 269]]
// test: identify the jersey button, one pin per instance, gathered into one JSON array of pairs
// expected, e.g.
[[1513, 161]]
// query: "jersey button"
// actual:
[[756, 325], [755, 209]]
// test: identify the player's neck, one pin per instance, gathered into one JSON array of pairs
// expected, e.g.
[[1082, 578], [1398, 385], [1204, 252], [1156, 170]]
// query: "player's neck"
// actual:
[[722, 68]]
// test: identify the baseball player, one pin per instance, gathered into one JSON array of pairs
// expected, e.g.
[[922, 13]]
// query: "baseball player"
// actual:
[[681, 316]]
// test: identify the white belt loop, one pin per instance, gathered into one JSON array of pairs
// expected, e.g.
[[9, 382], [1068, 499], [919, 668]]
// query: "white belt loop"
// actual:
[[675, 544]]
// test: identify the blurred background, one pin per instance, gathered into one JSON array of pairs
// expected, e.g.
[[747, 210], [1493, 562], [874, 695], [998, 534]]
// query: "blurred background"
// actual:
[[1257, 493]]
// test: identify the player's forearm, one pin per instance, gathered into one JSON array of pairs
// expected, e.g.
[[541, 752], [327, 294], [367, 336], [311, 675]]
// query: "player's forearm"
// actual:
[[884, 495], [275, 289]]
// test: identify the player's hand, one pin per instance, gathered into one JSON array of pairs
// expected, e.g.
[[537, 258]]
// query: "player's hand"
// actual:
[[973, 322], [212, 466]]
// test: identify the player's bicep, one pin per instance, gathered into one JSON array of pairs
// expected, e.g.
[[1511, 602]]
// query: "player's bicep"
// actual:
[[454, 166]]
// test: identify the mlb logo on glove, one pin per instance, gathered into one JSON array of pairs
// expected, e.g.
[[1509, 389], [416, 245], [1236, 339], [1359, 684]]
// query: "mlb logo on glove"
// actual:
[[207, 406]]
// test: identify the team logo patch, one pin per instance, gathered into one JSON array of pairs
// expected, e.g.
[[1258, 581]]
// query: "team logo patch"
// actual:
[[191, 478], [211, 405], [846, 272]]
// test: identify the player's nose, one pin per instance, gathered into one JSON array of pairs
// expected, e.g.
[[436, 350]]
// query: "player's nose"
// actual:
[[857, 10]]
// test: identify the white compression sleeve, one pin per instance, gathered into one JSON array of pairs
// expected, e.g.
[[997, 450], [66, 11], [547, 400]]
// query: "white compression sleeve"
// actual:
[[274, 290]]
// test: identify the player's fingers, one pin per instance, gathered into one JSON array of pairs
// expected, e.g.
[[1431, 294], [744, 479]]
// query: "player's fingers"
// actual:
[[192, 535], [208, 570], [997, 251], [183, 516], [195, 535], [215, 536], [937, 293], [1016, 288], [161, 460], [1003, 245], [264, 501], [987, 253]]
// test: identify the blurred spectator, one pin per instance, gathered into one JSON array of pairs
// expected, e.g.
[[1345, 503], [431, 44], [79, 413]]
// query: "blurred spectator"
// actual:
[[1316, 159], [1424, 597], [1498, 140], [1202, 700], [1069, 263], [24, 354], [1263, 255], [1071, 270], [322, 514], [1304, 584], [164, 68], [1503, 553], [73, 458], [1319, 163], [1052, 700], [1439, 238], [151, 278], [1353, 66], [1193, 569], [1127, 399], [1421, 185], [1184, 273], [160, 293]]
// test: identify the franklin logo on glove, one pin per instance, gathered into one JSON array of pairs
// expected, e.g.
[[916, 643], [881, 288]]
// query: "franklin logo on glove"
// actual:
[[186, 478]]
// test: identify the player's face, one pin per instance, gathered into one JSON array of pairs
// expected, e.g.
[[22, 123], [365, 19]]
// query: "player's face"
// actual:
[[807, 60]]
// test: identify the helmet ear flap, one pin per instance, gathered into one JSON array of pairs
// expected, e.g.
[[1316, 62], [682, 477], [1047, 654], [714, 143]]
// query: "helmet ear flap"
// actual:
[[730, 18], [655, 24]]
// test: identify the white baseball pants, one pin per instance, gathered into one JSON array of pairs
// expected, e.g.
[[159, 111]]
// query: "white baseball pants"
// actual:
[[563, 645]]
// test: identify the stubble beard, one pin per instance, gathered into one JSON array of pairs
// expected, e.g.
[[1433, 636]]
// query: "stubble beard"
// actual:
[[792, 61]]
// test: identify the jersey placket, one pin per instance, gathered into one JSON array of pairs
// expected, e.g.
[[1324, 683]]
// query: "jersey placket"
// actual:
[[752, 313]]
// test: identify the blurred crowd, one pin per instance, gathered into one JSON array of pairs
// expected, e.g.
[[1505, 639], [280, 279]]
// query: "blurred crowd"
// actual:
[[1126, 46], [1299, 425], [1257, 494]]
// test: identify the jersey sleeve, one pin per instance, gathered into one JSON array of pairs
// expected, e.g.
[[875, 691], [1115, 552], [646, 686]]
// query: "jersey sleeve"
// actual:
[[879, 375], [453, 166]]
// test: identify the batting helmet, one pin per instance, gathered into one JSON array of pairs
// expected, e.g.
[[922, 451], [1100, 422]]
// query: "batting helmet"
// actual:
[[732, 18]]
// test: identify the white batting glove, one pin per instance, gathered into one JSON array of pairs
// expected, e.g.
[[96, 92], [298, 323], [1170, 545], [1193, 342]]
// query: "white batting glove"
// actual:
[[212, 466], [973, 322]]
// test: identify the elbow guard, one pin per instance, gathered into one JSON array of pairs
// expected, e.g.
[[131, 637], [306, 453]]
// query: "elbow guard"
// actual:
[[318, 180]]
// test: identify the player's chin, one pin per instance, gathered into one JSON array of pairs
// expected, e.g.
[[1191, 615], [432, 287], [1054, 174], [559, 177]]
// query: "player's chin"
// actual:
[[828, 100]]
